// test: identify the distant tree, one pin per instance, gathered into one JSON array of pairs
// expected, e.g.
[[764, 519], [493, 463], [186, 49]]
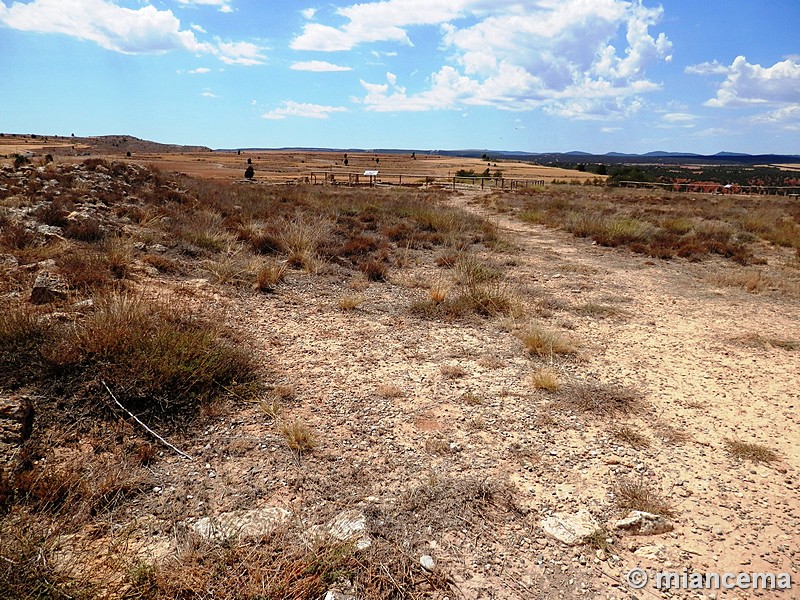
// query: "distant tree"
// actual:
[[484, 157], [128, 154], [377, 160], [346, 162], [20, 160], [48, 158], [498, 174], [73, 135], [581, 167], [238, 153], [414, 155], [486, 173], [629, 173], [249, 172], [249, 161], [601, 170]]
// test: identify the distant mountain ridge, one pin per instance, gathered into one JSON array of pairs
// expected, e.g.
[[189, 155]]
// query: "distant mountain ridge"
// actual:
[[127, 143]]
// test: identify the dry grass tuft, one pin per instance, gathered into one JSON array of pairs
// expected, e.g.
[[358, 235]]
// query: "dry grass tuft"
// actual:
[[637, 495], [597, 310], [452, 371], [299, 437], [351, 301], [438, 293], [630, 436], [756, 340], [604, 400], [388, 391], [750, 451], [754, 281], [544, 343], [490, 362], [270, 275], [546, 378]]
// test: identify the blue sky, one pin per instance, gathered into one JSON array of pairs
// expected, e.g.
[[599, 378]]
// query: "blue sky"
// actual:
[[541, 75]]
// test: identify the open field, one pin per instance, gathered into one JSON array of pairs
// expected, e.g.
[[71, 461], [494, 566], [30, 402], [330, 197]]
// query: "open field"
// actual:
[[277, 166], [388, 392]]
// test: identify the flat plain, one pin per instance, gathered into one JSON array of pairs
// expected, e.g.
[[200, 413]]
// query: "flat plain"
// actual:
[[389, 392]]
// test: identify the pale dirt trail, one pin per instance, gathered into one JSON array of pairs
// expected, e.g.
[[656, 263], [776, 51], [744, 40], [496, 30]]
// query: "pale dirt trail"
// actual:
[[677, 343], [672, 340]]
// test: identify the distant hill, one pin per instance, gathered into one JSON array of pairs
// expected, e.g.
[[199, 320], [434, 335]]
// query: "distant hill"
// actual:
[[116, 144], [101, 144]]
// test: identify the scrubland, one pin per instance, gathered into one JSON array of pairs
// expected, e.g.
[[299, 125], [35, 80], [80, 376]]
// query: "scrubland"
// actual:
[[437, 370]]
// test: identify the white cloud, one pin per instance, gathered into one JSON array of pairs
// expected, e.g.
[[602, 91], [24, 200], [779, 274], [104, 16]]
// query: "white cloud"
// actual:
[[208, 94], [146, 30], [381, 21], [786, 118], [199, 71], [747, 84], [557, 54], [198, 28], [707, 68], [679, 118], [308, 13], [239, 53], [318, 66], [224, 5], [298, 109]]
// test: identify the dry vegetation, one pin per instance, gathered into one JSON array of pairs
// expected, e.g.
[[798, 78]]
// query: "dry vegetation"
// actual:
[[667, 226], [101, 231], [198, 305]]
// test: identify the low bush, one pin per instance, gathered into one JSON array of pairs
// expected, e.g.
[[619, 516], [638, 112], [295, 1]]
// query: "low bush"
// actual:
[[163, 364]]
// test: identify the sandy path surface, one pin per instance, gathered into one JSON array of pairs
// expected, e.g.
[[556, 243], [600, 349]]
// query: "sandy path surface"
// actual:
[[405, 407]]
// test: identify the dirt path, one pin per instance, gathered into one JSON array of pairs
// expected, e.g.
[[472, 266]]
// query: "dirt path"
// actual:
[[413, 412], [679, 341]]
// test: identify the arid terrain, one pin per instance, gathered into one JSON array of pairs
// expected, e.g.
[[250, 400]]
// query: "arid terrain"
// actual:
[[389, 392], [278, 166]]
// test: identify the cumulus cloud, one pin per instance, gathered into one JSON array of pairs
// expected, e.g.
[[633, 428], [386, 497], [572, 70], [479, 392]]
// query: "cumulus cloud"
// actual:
[[146, 30], [319, 66], [308, 13], [752, 85], [199, 71], [377, 22], [298, 109], [748, 84], [104, 23], [576, 58]]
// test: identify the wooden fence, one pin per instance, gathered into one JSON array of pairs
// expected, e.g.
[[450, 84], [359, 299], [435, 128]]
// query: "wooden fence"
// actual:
[[708, 187], [411, 180]]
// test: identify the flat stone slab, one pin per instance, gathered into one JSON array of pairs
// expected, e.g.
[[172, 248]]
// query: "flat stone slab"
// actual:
[[242, 524], [643, 523], [571, 528]]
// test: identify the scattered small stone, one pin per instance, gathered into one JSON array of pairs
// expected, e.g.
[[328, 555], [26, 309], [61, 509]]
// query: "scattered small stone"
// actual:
[[47, 288], [427, 562], [643, 523]]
